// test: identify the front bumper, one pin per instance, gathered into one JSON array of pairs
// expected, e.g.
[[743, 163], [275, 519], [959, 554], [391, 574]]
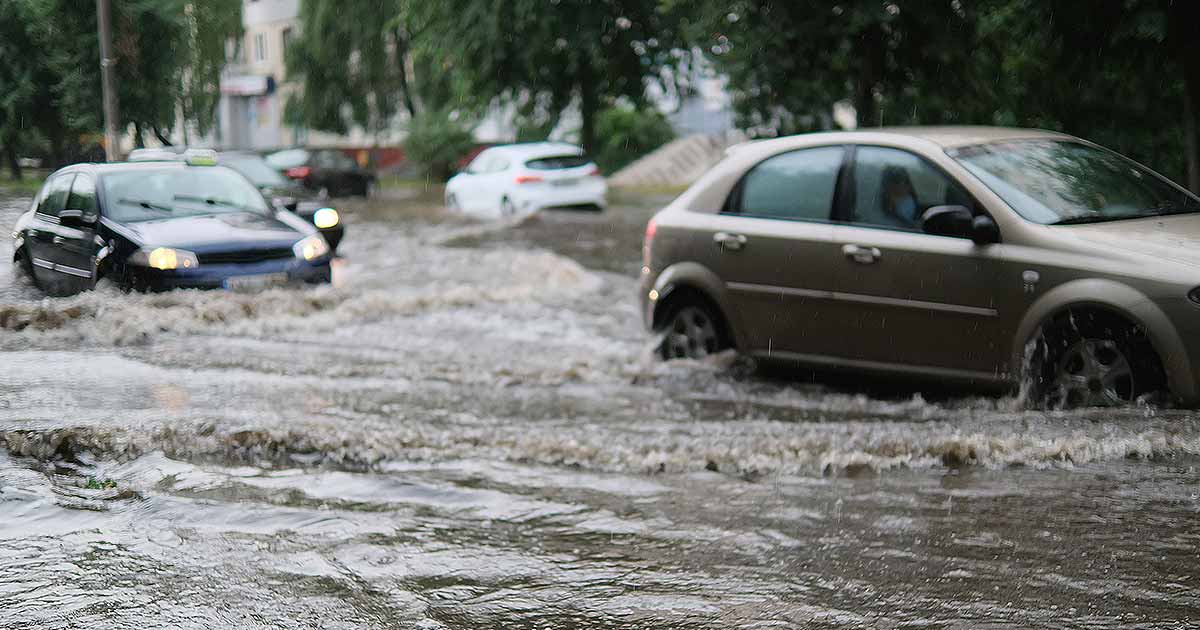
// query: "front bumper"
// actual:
[[221, 276]]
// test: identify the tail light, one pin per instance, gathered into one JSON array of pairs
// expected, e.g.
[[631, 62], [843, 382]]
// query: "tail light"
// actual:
[[651, 228], [595, 172], [528, 179], [298, 172]]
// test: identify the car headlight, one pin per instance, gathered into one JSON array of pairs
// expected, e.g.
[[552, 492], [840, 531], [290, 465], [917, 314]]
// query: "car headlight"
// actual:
[[326, 218], [164, 258], [311, 247]]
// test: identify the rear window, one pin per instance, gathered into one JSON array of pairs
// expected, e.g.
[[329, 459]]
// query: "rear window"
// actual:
[[558, 162]]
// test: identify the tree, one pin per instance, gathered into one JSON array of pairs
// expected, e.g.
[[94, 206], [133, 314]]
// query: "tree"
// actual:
[[169, 55], [589, 52], [788, 62], [353, 62]]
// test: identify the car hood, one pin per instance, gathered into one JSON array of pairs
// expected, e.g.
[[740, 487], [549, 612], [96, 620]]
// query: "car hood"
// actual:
[[1170, 238], [248, 230]]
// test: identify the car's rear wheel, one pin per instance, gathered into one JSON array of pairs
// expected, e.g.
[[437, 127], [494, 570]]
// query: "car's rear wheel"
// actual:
[[692, 331], [1091, 358]]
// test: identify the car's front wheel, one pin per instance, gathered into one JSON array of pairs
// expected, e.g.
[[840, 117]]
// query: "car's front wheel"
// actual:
[[1092, 358], [692, 331]]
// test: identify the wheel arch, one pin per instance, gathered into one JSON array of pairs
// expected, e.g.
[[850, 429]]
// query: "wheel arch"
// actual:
[[691, 280], [1119, 300]]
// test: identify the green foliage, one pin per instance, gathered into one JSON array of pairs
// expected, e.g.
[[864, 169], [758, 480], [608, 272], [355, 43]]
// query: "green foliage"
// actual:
[[169, 55], [554, 53], [626, 133], [436, 141]]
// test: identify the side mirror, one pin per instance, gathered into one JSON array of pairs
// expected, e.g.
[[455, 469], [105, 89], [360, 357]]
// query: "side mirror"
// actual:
[[948, 221], [79, 219], [984, 230]]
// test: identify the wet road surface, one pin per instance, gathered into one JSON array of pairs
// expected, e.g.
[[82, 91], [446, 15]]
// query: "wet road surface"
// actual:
[[467, 432]]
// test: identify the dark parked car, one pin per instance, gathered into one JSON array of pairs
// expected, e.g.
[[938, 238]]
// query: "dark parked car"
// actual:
[[277, 189], [163, 225], [326, 172]]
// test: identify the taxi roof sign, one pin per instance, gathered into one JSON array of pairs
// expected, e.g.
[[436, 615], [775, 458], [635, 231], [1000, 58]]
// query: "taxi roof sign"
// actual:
[[200, 157]]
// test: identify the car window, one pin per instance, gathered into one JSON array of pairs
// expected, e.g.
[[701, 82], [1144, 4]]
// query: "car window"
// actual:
[[255, 169], [83, 194], [56, 195], [343, 162], [556, 162], [893, 188], [797, 185]]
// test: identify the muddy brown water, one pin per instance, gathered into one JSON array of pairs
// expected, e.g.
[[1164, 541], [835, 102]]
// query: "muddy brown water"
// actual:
[[465, 433]]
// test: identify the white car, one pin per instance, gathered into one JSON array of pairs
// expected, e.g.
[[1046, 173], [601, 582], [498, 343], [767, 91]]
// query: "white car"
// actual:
[[520, 179]]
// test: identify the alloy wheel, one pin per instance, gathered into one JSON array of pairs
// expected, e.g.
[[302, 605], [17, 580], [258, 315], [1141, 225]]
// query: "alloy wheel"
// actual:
[[1093, 373], [691, 335]]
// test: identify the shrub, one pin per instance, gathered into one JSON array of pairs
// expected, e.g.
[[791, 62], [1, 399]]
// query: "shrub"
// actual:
[[624, 133], [436, 142]]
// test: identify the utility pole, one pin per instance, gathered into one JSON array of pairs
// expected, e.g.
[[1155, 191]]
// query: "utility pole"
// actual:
[[112, 149]]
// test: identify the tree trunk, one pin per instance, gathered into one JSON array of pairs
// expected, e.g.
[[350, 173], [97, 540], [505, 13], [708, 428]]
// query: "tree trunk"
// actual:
[[166, 142], [589, 105], [871, 54], [14, 165], [1190, 141], [1184, 29], [402, 73]]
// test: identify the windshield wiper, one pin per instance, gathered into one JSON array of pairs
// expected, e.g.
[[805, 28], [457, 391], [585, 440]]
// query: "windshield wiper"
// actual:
[[1088, 218], [149, 205], [210, 201]]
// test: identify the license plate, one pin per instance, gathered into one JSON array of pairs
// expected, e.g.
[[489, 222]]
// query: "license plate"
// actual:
[[565, 182], [256, 282]]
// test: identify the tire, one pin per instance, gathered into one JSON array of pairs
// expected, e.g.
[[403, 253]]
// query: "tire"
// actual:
[[1090, 358], [23, 263], [507, 209], [692, 330]]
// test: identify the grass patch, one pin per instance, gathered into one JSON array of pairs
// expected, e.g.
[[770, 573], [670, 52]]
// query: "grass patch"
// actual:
[[27, 185]]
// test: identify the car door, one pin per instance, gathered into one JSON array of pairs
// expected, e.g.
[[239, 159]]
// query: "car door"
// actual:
[[921, 300], [772, 246], [75, 255], [41, 236], [467, 183]]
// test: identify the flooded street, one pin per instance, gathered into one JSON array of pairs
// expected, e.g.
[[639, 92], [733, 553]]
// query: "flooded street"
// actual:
[[467, 431]]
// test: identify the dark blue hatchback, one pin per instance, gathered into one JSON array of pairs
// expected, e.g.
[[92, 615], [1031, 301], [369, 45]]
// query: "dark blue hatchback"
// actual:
[[163, 225]]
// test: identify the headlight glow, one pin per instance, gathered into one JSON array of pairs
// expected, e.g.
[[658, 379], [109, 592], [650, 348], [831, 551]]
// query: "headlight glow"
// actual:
[[164, 258], [311, 247], [325, 218]]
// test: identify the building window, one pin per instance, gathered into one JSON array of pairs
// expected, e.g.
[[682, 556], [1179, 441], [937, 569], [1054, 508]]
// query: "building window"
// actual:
[[260, 47], [288, 36]]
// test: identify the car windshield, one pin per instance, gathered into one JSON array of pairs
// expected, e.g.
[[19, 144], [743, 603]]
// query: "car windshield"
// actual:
[[287, 159], [148, 194], [256, 170], [1063, 182]]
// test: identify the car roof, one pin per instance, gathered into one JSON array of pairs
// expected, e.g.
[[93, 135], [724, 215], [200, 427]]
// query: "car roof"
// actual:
[[946, 137], [538, 149]]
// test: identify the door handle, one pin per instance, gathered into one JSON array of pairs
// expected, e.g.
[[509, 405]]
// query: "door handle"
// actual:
[[58, 240], [860, 254], [729, 241]]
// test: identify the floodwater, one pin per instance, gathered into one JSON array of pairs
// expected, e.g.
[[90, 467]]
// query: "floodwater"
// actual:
[[467, 432]]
